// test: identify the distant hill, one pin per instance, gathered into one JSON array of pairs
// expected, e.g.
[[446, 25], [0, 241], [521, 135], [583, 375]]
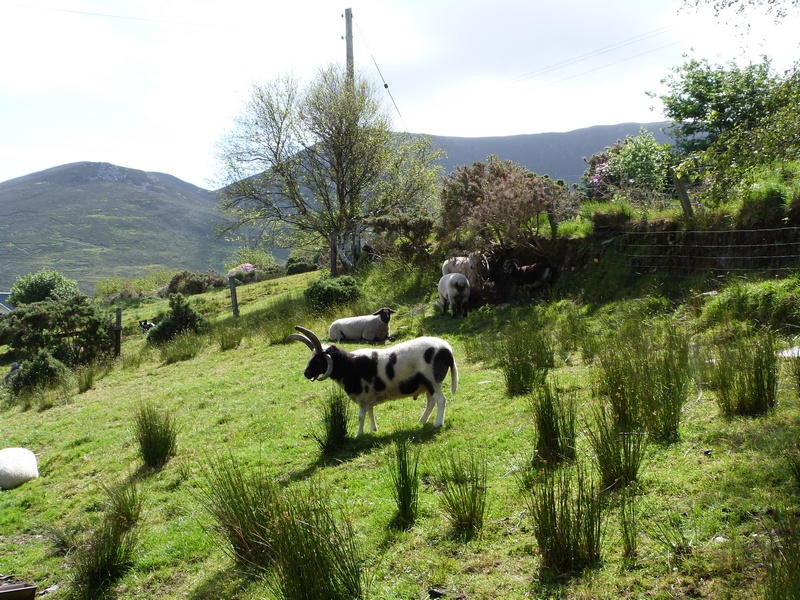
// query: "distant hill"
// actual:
[[559, 155], [91, 221]]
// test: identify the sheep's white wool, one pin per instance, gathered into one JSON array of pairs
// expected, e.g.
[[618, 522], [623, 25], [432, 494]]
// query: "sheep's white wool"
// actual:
[[17, 465]]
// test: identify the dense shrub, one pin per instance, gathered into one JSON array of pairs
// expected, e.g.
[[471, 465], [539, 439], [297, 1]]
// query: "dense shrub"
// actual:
[[299, 264], [180, 318], [40, 286], [74, 331], [189, 284], [325, 293], [41, 371]]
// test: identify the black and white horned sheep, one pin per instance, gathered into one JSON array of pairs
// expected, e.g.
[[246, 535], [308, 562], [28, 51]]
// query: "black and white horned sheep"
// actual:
[[372, 328], [371, 376], [454, 289]]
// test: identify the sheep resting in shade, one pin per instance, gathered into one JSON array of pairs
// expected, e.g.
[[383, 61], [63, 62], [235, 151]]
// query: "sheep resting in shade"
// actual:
[[17, 465]]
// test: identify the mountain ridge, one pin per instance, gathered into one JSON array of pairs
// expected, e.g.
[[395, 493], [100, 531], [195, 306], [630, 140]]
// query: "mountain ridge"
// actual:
[[92, 220]]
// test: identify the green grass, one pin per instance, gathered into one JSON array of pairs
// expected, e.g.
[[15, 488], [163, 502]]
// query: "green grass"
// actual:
[[724, 478]]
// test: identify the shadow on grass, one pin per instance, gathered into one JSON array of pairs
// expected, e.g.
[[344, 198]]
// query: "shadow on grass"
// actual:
[[230, 583], [355, 447]]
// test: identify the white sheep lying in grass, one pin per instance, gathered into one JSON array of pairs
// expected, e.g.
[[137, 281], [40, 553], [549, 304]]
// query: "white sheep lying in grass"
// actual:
[[17, 465], [372, 328], [370, 376], [454, 289]]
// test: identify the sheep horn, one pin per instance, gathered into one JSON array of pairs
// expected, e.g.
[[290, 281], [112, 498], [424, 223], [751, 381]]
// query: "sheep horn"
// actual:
[[317, 345], [300, 338]]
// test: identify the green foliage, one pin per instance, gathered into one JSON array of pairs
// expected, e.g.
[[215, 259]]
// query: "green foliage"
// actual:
[[300, 264], [106, 557], [156, 435], [184, 346], [706, 101], [74, 331], [499, 202], [405, 483], [770, 303], [41, 371], [326, 293], [464, 491], [783, 569], [115, 289], [618, 450], [260, 257], [123, 504], [188, 284], [42, 285], [524, 355], [566, 511], [181, 318]]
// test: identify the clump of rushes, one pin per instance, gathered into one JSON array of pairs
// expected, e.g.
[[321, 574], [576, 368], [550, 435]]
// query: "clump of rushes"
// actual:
[[566, 510], [554, 420], [405, 483], [745, 375], [783, 564], [244, 507], [464, 492], [335, 422], [618, 451], [525, 356], [156, 433]]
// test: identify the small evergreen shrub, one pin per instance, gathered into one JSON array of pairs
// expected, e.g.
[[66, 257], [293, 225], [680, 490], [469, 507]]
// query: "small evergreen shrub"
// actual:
[[180, 318], [189, 284], [40, 372], [295, 265], [42, 285], [329, 292]]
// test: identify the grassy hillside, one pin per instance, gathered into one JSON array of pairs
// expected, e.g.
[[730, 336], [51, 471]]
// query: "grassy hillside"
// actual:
[[706, 504]]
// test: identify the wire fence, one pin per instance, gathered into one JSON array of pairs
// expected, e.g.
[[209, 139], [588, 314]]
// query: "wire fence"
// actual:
[[766, 252]]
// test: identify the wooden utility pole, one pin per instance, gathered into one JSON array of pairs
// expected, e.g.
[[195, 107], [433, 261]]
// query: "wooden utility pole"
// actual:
[[348, 38]]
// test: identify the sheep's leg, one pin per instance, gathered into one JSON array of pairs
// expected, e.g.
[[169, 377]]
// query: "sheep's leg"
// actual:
[[372, 423], [362, 412], [428, 410], [440, 404]]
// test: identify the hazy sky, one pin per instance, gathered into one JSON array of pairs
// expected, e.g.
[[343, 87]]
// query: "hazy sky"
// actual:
[[154, 84]]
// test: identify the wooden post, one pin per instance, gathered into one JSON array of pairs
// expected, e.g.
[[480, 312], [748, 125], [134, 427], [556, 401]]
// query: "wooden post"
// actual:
[[683, 196], [118, 333], [234, 301]]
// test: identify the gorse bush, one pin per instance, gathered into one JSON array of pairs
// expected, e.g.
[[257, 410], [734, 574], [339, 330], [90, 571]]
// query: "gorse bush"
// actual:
[[328, 292], [42, 371], [156, 434]]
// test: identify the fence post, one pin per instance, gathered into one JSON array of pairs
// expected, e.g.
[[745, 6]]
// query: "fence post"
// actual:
[[683, 196], [118, 333], [234, 301]]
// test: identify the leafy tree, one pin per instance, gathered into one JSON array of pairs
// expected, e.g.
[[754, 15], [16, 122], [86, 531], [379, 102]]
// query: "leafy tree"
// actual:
[[770, 140], [499, 202], [315, 162], [44, 284], [706, 101]]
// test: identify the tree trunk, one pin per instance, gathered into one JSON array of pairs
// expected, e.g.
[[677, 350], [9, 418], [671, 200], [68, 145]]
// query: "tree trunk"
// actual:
[[333, 237]]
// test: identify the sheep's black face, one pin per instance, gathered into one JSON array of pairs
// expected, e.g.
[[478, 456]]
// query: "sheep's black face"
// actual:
[[317, 366]]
